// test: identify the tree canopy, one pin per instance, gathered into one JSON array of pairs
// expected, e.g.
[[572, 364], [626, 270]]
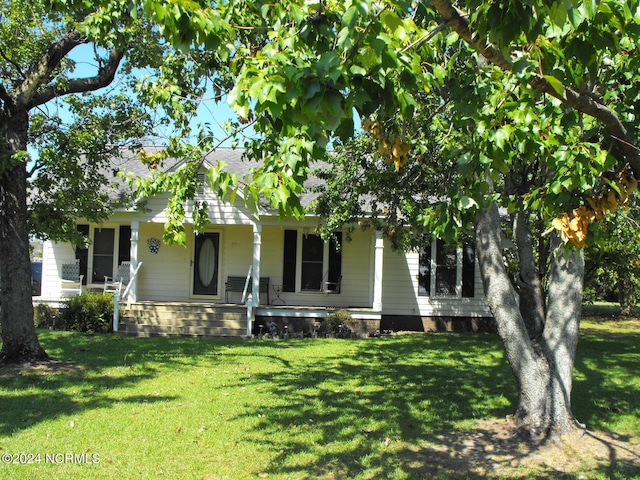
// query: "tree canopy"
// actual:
[[531, 104], [76, 117], [523, 82]]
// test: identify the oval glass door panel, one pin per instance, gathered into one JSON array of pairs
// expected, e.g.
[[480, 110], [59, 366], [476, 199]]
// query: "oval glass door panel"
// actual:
[[205, 271], [206, 263]]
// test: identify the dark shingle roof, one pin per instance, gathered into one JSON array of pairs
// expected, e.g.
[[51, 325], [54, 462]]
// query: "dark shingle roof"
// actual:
[[129, 162]]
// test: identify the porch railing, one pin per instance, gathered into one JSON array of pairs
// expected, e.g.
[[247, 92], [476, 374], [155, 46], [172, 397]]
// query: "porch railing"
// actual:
[[248, 300], [245, 291], [116, 297]]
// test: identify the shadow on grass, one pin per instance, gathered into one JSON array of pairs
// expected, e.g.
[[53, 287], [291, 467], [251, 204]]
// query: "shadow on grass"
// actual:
[[397, 408], [605, 311], [27, 409], [607, 388], [98, 352], [354, 414], [82, 376], [379, 408]]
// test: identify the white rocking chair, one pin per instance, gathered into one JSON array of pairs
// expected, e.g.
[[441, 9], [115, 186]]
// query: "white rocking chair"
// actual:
[[70, 279], [121, 280]]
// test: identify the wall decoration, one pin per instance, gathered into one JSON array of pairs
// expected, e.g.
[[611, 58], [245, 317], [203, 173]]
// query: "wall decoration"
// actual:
[[154, 245]]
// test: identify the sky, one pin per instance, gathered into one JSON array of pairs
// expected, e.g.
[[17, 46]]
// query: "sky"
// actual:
[[215, 114]]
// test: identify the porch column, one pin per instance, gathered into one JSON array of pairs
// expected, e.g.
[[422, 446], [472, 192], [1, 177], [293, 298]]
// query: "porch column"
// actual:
[[135, 235], [377, 271], [255, 276]]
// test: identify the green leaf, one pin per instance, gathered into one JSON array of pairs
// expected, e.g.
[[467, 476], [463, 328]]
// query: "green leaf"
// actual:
[[345, 38], [391, 20], [350, 17], [467, 202], [555, 84], [558, 13]]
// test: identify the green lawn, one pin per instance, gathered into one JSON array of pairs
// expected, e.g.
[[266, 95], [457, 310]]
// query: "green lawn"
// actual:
[[183, 408]]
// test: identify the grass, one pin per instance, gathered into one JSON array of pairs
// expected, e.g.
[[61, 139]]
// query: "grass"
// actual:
[[188, 408]]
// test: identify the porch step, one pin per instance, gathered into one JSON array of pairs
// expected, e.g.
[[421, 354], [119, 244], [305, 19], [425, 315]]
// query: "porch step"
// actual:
[[184, 319]]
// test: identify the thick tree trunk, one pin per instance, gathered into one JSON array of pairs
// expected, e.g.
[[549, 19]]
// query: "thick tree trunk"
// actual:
[[626, 295], [562, 327], [19, 337], [542, 364]]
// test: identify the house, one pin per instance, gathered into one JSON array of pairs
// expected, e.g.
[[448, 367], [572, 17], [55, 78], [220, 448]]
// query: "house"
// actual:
[[199, 289]]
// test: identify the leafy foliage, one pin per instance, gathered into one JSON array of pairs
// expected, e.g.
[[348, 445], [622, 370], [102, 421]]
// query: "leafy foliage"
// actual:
[[89, 313], [613, 265], [338, 323], [72, 176], [45, 316], [546, 84]]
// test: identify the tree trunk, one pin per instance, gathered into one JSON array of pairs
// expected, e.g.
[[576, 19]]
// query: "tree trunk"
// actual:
[[542, 365], [19, 337], [626, 295], [562, 326]]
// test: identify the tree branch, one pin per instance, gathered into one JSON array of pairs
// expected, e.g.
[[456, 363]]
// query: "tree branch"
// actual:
[[532, 305], [356, 45], [105, 76], [580, 101], [15, 65], [458, 22], [4, 95], [43, 72]]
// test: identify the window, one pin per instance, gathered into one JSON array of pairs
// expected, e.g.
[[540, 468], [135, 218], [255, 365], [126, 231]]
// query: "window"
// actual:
[[311, 264], [446, 271], [108, 248]]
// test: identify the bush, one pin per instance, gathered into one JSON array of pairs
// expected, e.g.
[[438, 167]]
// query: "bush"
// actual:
[[338, 323], [45, 316], [89, 313]]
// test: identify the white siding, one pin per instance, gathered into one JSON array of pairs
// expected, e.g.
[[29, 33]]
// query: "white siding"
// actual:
[[164, 276], [220, 213], [400, 291], [53, 256], [357, 275], [167, 275], [237, 251]]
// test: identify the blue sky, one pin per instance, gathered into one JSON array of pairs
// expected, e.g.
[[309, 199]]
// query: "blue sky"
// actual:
[[215, 114]]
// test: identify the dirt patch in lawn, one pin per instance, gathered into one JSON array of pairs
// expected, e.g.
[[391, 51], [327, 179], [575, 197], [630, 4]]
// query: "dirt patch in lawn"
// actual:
[[492, 450], [46, 368]]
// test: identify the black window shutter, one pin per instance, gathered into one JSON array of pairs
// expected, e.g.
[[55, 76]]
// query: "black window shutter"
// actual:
[[424, 272], [82, 253], [289, 264], [124, 244], [468, 270], [335, 259]]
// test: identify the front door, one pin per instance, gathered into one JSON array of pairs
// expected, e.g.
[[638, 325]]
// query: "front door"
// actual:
[[205, 264]]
